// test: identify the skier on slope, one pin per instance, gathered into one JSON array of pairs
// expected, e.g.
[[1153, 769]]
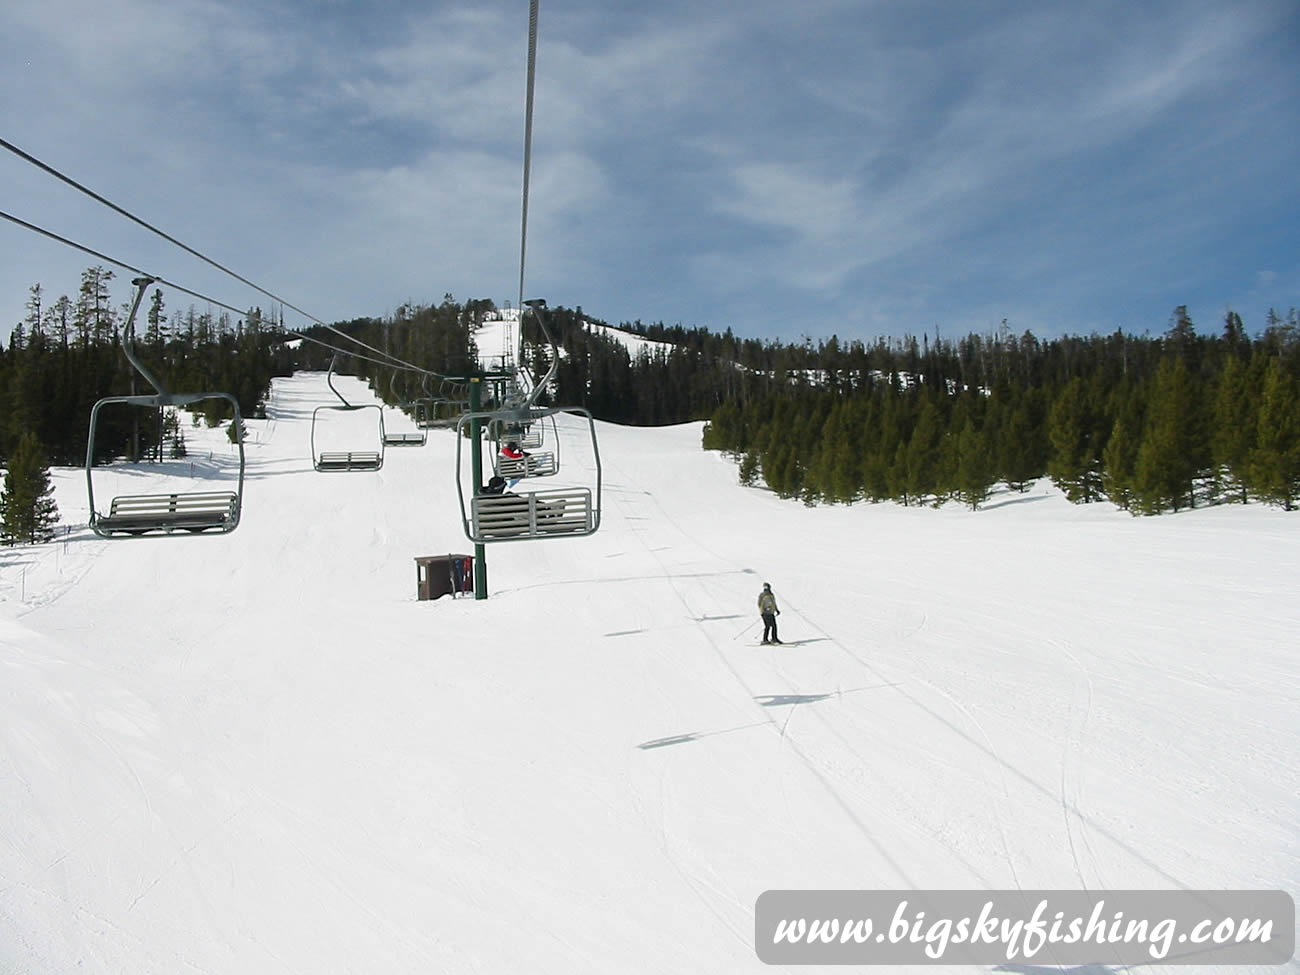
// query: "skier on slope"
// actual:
[[767, 608]]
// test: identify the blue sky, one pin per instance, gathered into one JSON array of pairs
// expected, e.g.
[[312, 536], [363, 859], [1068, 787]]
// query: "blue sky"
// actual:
[[782, 169]]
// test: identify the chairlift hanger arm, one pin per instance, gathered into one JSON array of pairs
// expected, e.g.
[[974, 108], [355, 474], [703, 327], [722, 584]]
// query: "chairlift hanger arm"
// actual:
[[128, 334], [141, 283], [537, 306], [329, 379]]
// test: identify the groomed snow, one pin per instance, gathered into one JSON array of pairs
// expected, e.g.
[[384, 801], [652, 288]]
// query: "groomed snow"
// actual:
[[260, 753]]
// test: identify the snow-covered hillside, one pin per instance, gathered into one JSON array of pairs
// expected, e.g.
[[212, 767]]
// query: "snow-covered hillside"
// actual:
[[260, 753], [491, 336]]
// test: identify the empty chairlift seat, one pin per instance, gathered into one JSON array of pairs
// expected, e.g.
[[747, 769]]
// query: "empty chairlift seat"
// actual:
[[351, 460], [192, 512], [404, 439], [347, 460]]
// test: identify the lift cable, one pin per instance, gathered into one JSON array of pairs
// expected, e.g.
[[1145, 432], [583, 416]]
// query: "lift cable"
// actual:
[[528, 140], [185, 247], [534, 306], [397, 365]]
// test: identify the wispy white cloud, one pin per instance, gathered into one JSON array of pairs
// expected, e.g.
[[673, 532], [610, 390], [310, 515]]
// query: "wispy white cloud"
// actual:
[[1010, 114]]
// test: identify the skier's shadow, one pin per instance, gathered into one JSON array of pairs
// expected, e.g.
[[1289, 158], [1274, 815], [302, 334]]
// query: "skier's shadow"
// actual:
[[767, 701]]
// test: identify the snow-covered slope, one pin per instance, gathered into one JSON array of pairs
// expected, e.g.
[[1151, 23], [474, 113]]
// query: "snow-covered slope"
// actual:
[[491, 336], [260, 753]]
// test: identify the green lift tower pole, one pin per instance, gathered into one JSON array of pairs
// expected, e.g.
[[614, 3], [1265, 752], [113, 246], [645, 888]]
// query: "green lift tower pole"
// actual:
[[476, 469]]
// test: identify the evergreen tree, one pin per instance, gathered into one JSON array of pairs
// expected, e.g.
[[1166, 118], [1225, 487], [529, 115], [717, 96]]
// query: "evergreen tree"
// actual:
[[921, 470], [781, 469], [975, 471], [900, 487], [93, 316], [1173, 445], [1275, 461], [1234, 333], [832, 474], [846, 468], [1019, 441], [154, 335], [27, 502], [1234, 425], [1280, 333], [34, 319], [1075, 462], [1182, 332], [173, 435], [886, 422], [1120, 457]]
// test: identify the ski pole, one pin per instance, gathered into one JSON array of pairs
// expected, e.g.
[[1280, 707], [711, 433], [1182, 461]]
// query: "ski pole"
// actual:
[[745, 630]]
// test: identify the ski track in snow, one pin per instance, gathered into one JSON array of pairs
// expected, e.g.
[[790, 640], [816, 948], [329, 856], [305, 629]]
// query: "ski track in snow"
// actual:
[[663, 521]]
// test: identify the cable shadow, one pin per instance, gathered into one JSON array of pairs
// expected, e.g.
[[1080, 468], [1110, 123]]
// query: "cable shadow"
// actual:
[[697, 736], [267, 474], [198, 470], [767, 701], [781, 700], [665, 742], [784, 700]]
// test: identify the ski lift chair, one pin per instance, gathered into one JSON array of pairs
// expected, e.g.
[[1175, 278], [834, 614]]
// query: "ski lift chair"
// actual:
[[404, 438], [566, 512], [425, 408], [534, 436], [189, 511], [346, 460], [444, 410], [536, 463]]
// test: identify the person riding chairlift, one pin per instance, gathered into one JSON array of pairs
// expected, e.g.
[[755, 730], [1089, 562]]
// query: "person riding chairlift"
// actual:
[[497, 486], [512, 451]]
